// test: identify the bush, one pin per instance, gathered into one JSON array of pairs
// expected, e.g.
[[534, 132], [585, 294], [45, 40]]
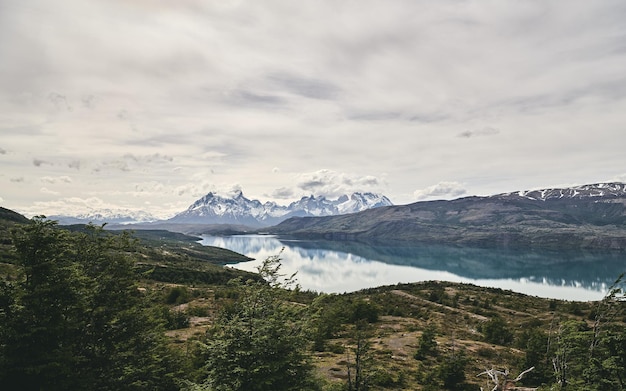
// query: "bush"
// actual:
[[364, 310], [177, 295], [496, 331]]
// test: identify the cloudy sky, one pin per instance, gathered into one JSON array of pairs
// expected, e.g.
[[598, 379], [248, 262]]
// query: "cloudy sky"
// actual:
[[150, 104]]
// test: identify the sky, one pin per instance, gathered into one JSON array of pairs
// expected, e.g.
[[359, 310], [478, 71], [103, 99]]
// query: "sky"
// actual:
[[150, 104]]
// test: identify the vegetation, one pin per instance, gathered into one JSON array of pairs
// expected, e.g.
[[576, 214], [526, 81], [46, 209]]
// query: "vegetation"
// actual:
[[91, 309], [75, 319]]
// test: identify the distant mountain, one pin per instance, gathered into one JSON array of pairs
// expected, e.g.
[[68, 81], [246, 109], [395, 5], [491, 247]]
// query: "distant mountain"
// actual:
[[589, 216], [109, 216], [217, 209]]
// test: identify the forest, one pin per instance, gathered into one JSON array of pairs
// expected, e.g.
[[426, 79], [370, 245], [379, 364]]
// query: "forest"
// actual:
[[85, 308]]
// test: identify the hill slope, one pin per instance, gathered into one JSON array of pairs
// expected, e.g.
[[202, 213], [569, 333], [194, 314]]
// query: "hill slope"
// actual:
[[591, 216]]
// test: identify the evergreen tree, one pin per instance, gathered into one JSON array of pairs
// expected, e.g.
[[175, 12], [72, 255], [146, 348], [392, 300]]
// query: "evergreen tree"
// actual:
[[427, 343], [75, 319], [260, 342], [45, 317]]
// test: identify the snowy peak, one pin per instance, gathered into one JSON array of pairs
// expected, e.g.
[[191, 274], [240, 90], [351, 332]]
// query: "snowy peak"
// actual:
[[593, 191], [362, 201], [218, 209], [237, 209]]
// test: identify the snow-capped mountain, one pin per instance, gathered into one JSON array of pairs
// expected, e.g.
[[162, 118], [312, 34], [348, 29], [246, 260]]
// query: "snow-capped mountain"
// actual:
[[110, 216], [597, 190], [217, 209]]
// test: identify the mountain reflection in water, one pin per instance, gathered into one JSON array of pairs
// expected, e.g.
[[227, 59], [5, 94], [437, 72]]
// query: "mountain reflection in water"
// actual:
[[341, 266]]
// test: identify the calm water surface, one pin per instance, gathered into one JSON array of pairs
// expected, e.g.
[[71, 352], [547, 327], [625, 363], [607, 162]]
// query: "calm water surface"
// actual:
[[337, 267]]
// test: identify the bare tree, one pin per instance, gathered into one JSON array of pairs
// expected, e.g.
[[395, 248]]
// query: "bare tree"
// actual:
[[501, 380]]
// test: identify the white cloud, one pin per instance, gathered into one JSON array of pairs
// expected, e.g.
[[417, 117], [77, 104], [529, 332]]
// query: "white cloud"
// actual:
[[440, 190], [45, 190], [334, 184]]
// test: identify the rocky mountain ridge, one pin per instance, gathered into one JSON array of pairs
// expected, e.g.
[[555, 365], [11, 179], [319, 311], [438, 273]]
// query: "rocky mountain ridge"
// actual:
[[217, 209]]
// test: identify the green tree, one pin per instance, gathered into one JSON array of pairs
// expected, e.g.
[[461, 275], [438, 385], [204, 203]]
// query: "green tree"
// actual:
[[75, 319], [363, 310], [606, 367], [123, 341], [535, 345], [260, 341], [570, 353], [496, 331], [427, 343], [327, 320], [44, 318], [451, 371]]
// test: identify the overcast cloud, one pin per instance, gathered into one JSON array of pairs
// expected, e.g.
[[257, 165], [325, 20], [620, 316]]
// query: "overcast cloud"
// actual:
[[149, 105]]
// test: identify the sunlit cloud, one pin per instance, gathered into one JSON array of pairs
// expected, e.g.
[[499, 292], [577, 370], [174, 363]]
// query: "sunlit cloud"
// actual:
[[440, 190]]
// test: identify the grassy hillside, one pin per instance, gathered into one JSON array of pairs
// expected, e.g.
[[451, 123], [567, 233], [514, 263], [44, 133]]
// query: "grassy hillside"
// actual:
[[488, 328]]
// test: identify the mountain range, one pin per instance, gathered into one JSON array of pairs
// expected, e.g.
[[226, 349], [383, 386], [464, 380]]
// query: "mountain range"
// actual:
[[582, 217], [216, 209], [109, 216], [236, 210]]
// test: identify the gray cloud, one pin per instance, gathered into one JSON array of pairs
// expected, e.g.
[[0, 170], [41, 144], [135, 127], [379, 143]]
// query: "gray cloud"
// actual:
[[59, 179], [88, 101], [3, 151], [486, 131], [40, 162], [112, 165], [59, 101], [155, 157], [307, 87], [282, 193], [252, 99], [17, 180]]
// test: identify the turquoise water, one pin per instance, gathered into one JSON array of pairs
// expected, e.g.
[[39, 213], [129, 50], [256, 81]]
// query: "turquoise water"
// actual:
[[338, 266]]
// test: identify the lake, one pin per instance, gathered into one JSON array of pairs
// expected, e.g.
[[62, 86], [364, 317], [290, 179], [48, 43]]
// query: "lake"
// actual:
[[340, 266]]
